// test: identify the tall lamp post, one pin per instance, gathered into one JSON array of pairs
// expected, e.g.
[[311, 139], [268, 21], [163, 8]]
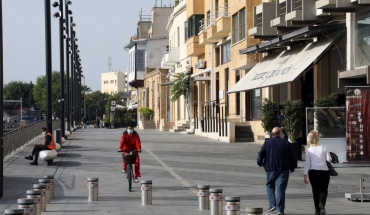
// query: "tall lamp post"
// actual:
[[59, 15], [1, 102], [49, 123], [68, 104]]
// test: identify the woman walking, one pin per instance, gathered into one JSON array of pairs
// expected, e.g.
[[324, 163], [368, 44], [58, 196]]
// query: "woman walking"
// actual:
[[317, 170]]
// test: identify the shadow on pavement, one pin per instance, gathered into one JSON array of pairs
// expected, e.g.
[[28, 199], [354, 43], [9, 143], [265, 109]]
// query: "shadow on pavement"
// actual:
[[69, 155], [70, 147], [67, 163]]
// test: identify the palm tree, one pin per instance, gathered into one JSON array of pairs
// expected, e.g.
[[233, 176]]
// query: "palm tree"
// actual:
[[181, 87]]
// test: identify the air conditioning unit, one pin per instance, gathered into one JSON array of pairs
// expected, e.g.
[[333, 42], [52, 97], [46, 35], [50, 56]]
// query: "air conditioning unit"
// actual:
[[201, 64]]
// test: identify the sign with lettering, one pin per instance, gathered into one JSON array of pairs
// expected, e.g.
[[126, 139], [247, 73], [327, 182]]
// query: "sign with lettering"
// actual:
[[282, 67]]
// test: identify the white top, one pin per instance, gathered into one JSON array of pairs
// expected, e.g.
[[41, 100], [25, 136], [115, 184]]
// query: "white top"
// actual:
[[316, 157]]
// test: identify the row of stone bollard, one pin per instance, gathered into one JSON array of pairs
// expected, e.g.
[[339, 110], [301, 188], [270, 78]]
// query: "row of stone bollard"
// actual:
[[211, 199], [36, 199], [146, 191]]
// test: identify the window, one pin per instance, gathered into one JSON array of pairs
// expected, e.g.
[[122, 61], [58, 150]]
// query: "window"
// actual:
[[192, 26], [111, 81], [140, 60], [238, 26], [362, 43], [242, 24], [178, 36], [226, 52], [237, 95], [235, 28], [257, 103], [217, 56]]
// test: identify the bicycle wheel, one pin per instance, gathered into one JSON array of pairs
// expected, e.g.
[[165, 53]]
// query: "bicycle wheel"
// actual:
[[129, 176]]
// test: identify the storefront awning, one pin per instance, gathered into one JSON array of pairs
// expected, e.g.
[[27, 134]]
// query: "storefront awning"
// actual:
[[281, 67]]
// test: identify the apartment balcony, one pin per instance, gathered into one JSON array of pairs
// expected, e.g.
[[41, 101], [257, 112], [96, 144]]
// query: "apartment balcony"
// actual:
[[223, 19], [212, 32], [263, 14], [203, 40], [282, 8], [193, 47], [171, 58], [303, 12], [194, 7], [340, 5], [136, 79]]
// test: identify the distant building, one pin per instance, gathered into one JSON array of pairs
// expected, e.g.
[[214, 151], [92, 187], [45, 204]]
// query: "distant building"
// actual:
[[114, 82]]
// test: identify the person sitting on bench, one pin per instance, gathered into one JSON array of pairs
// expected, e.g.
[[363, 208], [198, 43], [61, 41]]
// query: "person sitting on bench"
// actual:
[[48, 144]]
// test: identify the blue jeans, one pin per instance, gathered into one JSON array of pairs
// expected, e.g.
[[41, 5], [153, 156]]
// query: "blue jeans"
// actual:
[[277, 179]]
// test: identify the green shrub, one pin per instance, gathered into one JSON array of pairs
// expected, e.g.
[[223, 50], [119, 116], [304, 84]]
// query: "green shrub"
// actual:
[[146, 112], [294, 118], [270, 112]]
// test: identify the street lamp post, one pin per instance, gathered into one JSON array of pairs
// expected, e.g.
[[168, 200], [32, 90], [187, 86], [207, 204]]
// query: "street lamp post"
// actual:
[[49, 123], [1, 102], [61, 57], [67, 47]]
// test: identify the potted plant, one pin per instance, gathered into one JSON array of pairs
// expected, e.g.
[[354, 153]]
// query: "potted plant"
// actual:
[[146, 112], [293, 124], [293, 119], [270, 113]]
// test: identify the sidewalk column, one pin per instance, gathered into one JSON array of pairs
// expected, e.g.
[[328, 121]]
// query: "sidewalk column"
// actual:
[[47, 183], [203, 197], [232, 205], [146, 192], [215, 200], [36, 196], [93, 185], [51, 178], [254, 211], [42, 188], [28, 206], [13, 212]]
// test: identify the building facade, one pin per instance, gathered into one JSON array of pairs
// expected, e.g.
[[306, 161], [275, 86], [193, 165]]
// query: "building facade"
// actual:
[[114, 82], [238, 53]]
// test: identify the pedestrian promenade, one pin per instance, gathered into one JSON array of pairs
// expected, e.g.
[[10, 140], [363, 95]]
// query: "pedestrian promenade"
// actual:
[[176, 163]]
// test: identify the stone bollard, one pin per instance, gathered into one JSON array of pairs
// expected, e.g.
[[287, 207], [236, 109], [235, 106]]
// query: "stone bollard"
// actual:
[[46, 182], [93, 186], [28, 206], [146, 192], [51, 177], [13, 212], [215, 200], [203, 197], [254, 211], [42, 189], [232, 205], [36, 196]]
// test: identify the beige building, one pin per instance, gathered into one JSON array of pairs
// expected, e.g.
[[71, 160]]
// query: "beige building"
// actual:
[[238, 53], [114, 82]]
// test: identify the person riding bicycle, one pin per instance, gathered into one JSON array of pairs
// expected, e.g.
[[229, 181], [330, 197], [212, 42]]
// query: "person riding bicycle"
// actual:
[[130, 141]]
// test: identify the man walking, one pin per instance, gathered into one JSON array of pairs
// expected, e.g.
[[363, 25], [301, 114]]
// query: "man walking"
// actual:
[[277, 157], [48, 144]]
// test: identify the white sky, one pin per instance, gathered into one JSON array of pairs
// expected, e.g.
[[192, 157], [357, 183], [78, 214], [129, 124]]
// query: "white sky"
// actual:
[[103, 28]]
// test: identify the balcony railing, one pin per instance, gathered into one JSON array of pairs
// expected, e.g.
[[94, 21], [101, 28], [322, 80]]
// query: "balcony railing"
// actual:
[[201, 27], [223, 11]]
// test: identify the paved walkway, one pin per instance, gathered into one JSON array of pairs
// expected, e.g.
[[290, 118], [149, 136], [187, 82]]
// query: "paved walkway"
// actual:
[[176, 163]]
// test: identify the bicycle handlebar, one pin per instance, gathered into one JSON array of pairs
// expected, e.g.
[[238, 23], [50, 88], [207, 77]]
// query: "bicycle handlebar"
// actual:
[[129, 151]]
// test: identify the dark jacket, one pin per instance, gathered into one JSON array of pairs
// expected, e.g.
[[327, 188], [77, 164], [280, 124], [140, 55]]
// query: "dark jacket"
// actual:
[[276, 154]]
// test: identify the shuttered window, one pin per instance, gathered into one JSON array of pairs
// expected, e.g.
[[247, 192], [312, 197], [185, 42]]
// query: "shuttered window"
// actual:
[[140, 60]]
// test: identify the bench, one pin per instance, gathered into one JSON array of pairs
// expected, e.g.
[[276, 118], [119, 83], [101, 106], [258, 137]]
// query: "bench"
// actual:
[[48, 156]]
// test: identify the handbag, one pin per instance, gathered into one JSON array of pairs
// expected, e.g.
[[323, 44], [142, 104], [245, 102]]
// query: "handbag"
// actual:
[[332, 171]]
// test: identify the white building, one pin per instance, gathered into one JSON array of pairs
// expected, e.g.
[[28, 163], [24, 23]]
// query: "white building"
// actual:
[[114, 82]]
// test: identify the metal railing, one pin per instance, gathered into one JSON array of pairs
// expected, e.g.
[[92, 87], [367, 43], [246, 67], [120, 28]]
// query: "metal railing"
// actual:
[[212, 118], [18, 137]]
